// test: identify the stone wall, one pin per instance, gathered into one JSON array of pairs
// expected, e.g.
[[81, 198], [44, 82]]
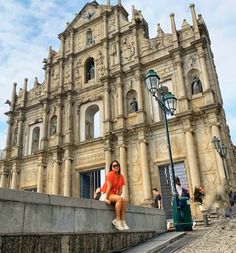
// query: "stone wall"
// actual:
[[28, 212], [72, 243]]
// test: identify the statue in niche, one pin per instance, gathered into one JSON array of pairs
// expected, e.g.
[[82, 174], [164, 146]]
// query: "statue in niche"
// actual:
[[133, 105], [53, 126], [196, 85]]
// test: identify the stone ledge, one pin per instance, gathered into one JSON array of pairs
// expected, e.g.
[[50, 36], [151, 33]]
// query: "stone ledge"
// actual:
[[27, 212]]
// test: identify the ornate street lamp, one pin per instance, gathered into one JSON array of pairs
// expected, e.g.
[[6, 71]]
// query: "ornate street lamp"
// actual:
[[222, 151], [167, 102]]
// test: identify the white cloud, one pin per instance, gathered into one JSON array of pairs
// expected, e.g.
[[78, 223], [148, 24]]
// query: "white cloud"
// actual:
[[29, 27]]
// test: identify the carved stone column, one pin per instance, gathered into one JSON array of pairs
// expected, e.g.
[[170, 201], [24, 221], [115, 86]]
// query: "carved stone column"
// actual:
[[3, 179], [61, 75], [118, 51], [192, 159], [108, 154], [67, 177], [13, 97], [181, 84], [195, 24], [174, 31], [47, 79], [8, 140], [69, 121], [139, 90], [106, 101], [107, 113], [117, 20], [209, 98], [201, 55], [59, 121], [123, 163], [41, 168], [120, 97], [105, 45], [14, 179], [136, 53], [72, 36], [56, 177], [20, 132], [147, 195], [45, 127]]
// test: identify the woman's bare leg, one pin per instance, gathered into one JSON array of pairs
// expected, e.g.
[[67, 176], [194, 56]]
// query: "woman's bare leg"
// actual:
[[118, 204], [123, 208]]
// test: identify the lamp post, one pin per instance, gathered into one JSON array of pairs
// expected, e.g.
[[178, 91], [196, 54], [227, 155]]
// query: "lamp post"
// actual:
[[222, 151], [167, 103]]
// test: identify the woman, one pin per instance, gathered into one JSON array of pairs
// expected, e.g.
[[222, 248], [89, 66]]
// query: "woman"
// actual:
[[112, 190]]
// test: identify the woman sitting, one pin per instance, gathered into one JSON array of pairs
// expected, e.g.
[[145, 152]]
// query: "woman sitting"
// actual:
[[112, 193]]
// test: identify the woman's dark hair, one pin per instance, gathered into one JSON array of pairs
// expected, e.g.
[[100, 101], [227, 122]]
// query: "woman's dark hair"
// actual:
[[112, 164]]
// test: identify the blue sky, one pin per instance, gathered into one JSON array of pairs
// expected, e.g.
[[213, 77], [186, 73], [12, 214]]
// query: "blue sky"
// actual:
[[29, 27]]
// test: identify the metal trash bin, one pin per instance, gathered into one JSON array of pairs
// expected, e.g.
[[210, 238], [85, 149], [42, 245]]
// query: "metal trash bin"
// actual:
[[182, 217]]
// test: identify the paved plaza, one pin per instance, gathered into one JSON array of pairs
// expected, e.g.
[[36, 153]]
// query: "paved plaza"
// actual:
[[221, 238]]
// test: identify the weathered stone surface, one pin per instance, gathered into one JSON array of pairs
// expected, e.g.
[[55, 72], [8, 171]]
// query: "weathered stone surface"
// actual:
[[218, 239], [33, 217], [71, 243]]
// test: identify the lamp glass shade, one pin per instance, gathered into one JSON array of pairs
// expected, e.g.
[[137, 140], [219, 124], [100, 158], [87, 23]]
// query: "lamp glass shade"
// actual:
[[152, 81], [216, 143], [224, 150], [170, 102]]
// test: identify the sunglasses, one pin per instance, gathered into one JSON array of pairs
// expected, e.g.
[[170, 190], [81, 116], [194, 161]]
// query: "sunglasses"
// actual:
[[115, 165]]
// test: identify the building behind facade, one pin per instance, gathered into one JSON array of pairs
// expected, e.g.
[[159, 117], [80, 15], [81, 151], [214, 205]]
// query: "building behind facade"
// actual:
[[93, 107]]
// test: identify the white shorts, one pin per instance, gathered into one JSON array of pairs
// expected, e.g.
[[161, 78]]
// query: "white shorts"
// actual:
[[102, 197]]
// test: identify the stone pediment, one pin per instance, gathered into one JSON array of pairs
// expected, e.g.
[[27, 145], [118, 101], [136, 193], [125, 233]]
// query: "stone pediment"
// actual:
[[87, 14]]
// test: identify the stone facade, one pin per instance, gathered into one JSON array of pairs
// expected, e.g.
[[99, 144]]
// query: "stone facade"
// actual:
[[53, 136]]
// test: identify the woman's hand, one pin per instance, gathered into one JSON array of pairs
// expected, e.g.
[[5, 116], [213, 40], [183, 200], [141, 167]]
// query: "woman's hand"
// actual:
[[107, 201]]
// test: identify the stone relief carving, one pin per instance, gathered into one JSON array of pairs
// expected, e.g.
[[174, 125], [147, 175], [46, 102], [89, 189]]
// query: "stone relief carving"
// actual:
[[127, 48], [67, 44], [55, 77], [14, 141], [78, 42], [190, 63], [186, 34], [90, 158], [77, 72], [168, 40], [111, 24], [100, 64], [98, 33], [38, 89], [67, 76], [90, 98], [162, 147], [151, 44], [29, 176], [133, 153]]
